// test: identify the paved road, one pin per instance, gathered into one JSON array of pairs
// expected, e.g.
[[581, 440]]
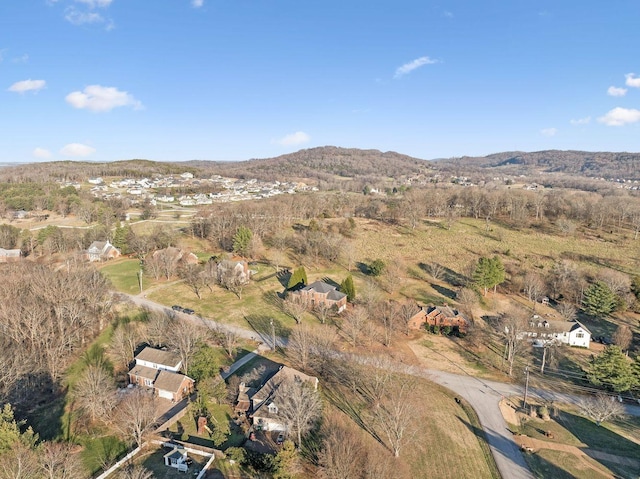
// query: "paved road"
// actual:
[[483, 395]]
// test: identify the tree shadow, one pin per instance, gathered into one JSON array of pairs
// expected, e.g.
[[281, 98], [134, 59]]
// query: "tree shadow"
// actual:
[[283, 277], [363, 267], [598, 437], [330, 281], [262, 325], [446, 292]]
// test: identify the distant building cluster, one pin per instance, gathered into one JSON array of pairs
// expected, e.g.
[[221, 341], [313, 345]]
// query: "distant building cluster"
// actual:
[[223, 189]]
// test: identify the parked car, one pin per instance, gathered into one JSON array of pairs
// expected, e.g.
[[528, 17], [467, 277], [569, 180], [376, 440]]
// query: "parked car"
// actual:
[[188, 311], [280, 438], [175, 307]]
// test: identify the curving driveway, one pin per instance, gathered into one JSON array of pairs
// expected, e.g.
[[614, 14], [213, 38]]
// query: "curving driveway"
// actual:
[[483, 395]]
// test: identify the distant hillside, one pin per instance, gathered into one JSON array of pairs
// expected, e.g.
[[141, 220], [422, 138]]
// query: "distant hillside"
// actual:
[[324, 163], [575, 163]]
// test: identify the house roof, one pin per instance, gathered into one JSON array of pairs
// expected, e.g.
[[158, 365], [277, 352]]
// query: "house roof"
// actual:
[[176, 453], [10, 253], [285, 372], [168, 381], [320, 287], [98, 245], [144, 372], [157, 356], [336, 295], [577, 325]]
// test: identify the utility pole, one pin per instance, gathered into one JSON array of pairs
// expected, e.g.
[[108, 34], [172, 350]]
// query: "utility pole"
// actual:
[[526, 388], [273, 335]]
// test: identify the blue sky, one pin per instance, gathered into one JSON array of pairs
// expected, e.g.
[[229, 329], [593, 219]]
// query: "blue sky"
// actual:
[[176, 80]]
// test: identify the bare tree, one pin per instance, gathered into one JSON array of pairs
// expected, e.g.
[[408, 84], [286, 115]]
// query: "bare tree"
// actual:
[[623, 337], [342, 455], [136, 415], [512, 328], [407, 310], [567, 311], [57, 461], [228, 339], [124, 342], [20, 461], [388, 316], [323, 311], [602, 408], [184, 341], [619, 283], [296, 307], [533, 287], [135, 471], [300, 346], [156, 327], [299, 404], [374, 380], [395, 414], [193, 276], [353, 324], [348, 251], [95, 392], [230, 277], [436, 270]]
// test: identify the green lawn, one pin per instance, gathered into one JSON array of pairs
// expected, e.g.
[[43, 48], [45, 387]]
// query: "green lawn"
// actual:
[[154, 461], [187, 430], [124, 275]]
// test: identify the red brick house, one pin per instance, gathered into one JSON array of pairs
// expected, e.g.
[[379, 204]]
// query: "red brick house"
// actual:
[[320, 292], [441, 316]]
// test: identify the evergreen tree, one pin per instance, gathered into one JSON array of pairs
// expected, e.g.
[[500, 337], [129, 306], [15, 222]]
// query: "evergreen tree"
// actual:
[[242, 241], [489, 273], [612, 369], [599, 300], [285, 464], [377, 267], [121, 238], [299, 277], [348, 288]]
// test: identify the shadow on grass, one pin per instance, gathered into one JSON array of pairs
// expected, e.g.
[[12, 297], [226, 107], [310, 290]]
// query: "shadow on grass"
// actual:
[[598, 437], [448, 275], [446, 292], [265, 326]]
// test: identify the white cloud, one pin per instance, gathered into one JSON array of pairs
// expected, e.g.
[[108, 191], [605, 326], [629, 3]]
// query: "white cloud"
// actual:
[[616, 91], [41, 153], [632, 80], [96, 3], [77, 149], [412, 65], [620, 116], [77, 17], [549, 131], [197, 3], [99, 98], [447, 14], [28, 85], [21, 59], [297, 138], [581, 121]]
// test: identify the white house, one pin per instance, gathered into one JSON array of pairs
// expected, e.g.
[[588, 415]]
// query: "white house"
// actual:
[[177, 458], [101, 251], [573, 333]]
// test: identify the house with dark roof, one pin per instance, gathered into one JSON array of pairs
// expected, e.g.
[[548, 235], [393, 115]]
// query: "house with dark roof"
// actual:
[[262, 404], [159, 370], [320, 292], [101, 251], [441, 316]]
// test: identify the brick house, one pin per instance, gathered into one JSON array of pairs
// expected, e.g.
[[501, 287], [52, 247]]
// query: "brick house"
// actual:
[[320, 292], [442, 316], [159, 370]]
